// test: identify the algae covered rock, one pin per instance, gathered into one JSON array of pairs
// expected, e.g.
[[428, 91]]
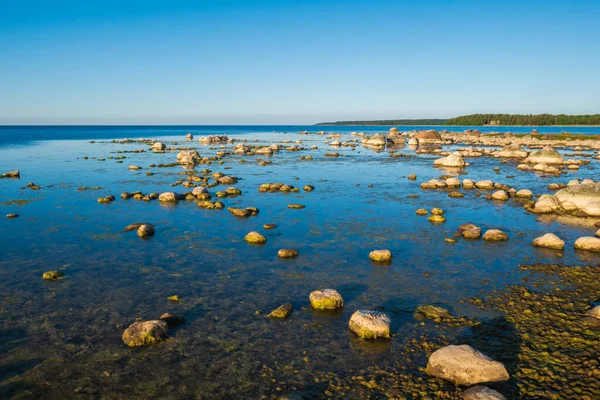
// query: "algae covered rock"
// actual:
[[145, 231], [282, 311], [464, 365], [370, 324], [172, 320], [432, 312], [326, 299], [381, 255], [145, 333], [495, 235], [255, 238], [287, 253], [52, 275]]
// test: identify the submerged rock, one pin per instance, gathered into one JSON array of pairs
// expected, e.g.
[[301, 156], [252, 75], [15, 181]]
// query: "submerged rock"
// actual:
[[296, 206], [283, 311], [549, 241], [464, 365], [433, 312], [326, 299], [145, 333], [52, 275], [13, 215], [172, 320], [370, 324], [269, 226]]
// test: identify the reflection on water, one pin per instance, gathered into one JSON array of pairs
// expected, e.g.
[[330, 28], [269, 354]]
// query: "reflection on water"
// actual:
[[63, 339]]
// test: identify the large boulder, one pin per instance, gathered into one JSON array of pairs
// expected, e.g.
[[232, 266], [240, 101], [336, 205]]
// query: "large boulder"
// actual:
[[589, 243], [547, 155], [511, 151], [428, 136], [145, 333], [158, 146], [464, 365], [376, 140], [370, 324], [482, 393], [549, 241], [454, 160], [167, 197], [326, 299], [586, 198]]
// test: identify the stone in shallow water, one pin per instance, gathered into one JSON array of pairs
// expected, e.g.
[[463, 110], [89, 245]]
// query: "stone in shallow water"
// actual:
[[11, 174], [282, 311], [432, 312], [172, 320], [464, 365], [437, 218], [287, 253], [296, 206], [145, 231], [422, 211], [495, 235], [549, 241], [380, 255], [52, 275], [370, 324], [589, 243], [12, 215], [326, 299], [167, 197], [500, 195], [145, 333], [255, 237], [269, 226], [482, 393]]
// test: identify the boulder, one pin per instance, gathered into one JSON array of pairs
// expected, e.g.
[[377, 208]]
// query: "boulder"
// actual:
[[370, 324], [283, 311], [594, 312], [511, 151], [500, 195], [482, 393], [381, 255], [485, 184], [326, 299], [287, 253], [11, 174], [52, 275], [525, 194], [454, 160], [428, 136], [158, 146], [463, 365], [547, 155], [586, 198], [167, 197], [545, 204], [495, 235], [255, 237], [145, 231], [589, 243], [145, 333], [376, 140], [549, 241]]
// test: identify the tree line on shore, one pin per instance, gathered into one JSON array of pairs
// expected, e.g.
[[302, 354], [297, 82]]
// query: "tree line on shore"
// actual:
[[487, 119]]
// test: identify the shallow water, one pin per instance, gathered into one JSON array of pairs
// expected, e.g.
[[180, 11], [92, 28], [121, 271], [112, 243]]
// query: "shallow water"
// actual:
[[62, 339]]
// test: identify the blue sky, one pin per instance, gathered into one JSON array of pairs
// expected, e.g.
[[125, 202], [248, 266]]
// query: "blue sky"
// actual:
[[253, 62]]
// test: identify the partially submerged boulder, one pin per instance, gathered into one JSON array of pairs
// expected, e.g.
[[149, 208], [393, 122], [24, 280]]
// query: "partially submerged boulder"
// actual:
[[549, 241], [454, 160], [145, 333], [586, 198], [370, 324], [283, 311], [588, 243], [464, 365], [326, 299], [482, 393], [547, 155], [511, 151]]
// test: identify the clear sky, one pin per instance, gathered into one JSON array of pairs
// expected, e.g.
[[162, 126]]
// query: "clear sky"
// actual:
[[253, 62]]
